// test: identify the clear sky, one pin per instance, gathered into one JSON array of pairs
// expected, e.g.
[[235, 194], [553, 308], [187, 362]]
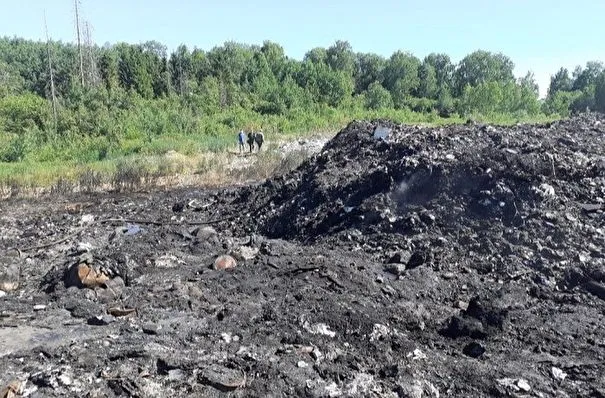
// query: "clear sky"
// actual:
[[539, 35]]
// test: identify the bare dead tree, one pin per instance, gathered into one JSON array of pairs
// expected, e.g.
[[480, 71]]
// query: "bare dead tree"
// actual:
[[53, 94], [76, 4], [92, 72]]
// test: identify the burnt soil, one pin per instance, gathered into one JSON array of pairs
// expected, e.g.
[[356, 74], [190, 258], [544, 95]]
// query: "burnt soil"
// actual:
[[463, 261]]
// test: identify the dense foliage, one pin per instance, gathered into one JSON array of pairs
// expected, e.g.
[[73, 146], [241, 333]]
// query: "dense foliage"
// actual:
[[128, 98]]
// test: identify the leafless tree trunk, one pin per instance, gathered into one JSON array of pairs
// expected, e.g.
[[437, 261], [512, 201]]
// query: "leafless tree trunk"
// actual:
[[91, 70], [53, 94], [79, 42]]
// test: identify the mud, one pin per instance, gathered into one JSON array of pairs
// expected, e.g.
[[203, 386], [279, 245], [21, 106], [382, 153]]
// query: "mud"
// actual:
[[424, 262]]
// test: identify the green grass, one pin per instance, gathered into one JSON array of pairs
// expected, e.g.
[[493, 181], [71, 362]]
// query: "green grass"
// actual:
[[89, 160]]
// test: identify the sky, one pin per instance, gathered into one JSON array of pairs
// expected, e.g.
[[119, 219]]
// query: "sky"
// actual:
[[538, 35]]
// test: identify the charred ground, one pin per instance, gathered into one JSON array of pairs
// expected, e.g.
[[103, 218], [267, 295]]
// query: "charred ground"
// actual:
[[454, 261]]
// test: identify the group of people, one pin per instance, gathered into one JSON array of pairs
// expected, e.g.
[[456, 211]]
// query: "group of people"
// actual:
[[250, 138]]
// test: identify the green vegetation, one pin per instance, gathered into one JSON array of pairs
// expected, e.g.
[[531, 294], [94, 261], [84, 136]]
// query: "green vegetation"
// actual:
[[141, 101]]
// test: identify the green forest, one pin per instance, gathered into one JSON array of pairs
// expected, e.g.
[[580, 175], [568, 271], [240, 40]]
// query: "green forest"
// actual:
[[60, 102]]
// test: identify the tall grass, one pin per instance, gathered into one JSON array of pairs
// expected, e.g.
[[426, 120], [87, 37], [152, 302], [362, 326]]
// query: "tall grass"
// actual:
[[142, 138]]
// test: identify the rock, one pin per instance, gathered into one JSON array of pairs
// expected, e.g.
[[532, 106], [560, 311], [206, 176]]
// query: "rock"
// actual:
[[9, 275], [473, 350], [167, 261], [151, 328], [244, 253], [416, 260], [111, 290], [178, 207], [319, 328], [176, 375], [2, 293], [463, 326], [204, 233], [100, 320], [417, 354], [400, 257], [222, 378], [523, 385], [224, 262], [379, 332], [395, 269], [558, 374], [87, 219], [83, 275], [547, 190], [316, 354], [302, 364]]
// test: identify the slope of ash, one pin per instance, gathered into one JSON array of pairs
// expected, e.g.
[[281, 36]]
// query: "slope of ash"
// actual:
[[461, 261], [531, 194]]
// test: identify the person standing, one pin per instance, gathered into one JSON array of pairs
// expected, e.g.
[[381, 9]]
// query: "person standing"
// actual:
[[241, 137], [259, 138], [251, 140]]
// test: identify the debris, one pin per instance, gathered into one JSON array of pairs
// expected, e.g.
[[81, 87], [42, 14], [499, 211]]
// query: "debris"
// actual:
[[151, 328], [12, 390], [176, 375], [523, 385], [39, 307], [319, 328], [396, 269], [118, 312], [9, 275], [417, 354], [84, 275], [87, 219], [224, 262], [302, 364], [244, 253], [223, 378], [379, 332], [111, 289], [558, 374], [100, 320], [382, 133]]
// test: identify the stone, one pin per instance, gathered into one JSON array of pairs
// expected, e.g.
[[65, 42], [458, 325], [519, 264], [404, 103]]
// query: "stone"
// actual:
[[400, 257], [523, 385], [224, 262], [244, 253], [176, 375], [111, 290], [395, 269], [558, 374], [100, 320], [84, 275], [222, 378], [9, 276], [151, 328]]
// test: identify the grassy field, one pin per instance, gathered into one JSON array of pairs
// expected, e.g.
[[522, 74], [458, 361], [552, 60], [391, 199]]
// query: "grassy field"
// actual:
[[138, 159]]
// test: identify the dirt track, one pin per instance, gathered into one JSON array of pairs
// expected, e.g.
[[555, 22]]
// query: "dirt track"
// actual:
[[463, 261]]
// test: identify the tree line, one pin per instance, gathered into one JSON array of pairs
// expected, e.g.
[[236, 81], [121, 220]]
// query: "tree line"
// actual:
[[115, 79]]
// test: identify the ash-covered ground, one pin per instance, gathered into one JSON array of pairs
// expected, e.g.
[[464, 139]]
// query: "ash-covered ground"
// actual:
[[400, 261]]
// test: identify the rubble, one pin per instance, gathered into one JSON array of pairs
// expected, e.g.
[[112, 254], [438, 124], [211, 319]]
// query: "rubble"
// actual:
[[448, 261]]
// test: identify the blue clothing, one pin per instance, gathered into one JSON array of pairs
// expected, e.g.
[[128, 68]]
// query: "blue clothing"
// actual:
[[242, 137]]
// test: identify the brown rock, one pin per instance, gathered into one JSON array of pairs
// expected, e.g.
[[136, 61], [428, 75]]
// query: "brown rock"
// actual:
[[89, 277], [224, 262]]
